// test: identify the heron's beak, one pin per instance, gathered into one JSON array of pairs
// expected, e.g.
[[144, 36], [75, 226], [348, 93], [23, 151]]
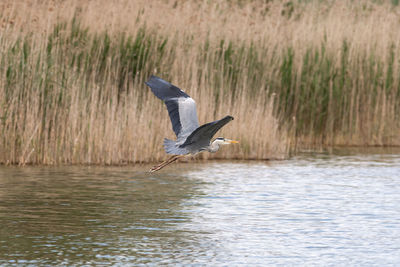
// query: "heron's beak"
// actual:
[[233, 141]]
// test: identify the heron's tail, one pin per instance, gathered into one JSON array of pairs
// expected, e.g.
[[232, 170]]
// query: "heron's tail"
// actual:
[[171, 147]]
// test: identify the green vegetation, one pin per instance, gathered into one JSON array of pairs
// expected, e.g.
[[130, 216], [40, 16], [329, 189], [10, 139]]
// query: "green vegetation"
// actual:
[[77, 96]]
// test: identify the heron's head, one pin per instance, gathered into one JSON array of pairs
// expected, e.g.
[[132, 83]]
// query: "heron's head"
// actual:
[[214, 146], [224, 141]]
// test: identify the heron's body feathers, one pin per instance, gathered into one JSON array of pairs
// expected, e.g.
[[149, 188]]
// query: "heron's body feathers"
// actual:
[[172, 147]]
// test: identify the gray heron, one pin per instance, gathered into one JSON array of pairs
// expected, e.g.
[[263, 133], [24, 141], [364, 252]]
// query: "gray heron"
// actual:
[[191, 137]]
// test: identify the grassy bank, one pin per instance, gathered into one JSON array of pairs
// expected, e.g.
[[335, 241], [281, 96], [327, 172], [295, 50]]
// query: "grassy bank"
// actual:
[[293, 75]]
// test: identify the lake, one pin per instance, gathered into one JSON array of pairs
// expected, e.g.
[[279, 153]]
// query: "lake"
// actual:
[[315, 209]]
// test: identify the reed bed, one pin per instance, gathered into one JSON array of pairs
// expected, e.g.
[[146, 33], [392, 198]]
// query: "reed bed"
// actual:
[[293, 75]]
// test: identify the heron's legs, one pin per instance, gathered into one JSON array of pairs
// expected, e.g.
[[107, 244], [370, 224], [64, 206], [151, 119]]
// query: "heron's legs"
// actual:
[[165, 163]]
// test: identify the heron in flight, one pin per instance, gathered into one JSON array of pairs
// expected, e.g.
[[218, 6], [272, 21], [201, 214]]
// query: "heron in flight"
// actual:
[[191, 137]]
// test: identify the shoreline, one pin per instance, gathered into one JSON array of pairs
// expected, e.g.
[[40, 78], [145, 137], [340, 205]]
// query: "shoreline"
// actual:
[[337, 150]]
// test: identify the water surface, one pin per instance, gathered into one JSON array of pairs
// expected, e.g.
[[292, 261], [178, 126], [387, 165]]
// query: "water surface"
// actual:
[[314, 209]]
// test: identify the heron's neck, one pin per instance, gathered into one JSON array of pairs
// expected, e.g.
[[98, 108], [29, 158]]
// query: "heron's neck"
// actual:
[[214, 146]]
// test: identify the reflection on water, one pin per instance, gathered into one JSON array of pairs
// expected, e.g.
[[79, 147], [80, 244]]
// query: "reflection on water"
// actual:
[[315, 209]]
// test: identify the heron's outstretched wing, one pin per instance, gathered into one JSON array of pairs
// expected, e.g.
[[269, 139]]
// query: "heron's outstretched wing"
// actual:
[[204, 133], [181, 107]]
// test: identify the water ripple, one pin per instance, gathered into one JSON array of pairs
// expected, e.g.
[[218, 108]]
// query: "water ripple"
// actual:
[[315, 209]]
